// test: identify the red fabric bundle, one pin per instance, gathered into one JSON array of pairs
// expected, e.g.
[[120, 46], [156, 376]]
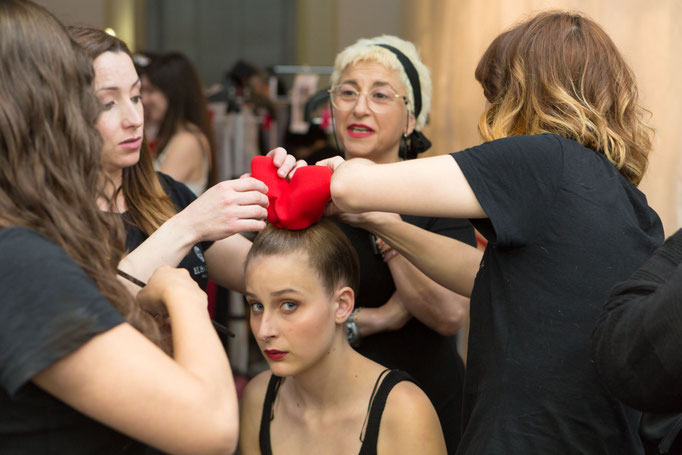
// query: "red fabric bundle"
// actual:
[[298, 203]]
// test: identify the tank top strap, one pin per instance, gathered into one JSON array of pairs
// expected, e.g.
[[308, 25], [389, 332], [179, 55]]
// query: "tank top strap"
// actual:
[[267, 416], [377, 403]]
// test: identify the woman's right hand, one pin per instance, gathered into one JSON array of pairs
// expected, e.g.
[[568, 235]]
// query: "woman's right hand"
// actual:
[[227, 208], [168, 284]]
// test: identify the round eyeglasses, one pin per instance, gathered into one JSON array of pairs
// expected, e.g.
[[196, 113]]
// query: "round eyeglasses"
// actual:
[[380, 100]]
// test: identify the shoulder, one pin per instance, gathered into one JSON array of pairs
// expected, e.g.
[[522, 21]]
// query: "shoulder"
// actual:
[[410, 423], [515, 158], [187, 142], [251, 409], [254, 392], [26, 251], [179, 193], [529, 145]]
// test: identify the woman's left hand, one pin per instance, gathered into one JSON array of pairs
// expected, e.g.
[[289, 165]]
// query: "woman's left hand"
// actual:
[[286, 164]]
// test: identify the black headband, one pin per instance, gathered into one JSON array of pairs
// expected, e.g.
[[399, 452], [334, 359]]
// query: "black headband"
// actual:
[[412, 75]]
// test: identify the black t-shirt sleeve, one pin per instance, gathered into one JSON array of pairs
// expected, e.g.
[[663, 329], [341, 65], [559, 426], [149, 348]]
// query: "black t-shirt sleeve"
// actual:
[[181, 196], [637, 343], [49, 306], [515, 180]]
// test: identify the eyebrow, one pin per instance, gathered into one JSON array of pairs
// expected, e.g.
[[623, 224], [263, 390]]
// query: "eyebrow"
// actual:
[[374, 84], [115, 88], [277, 293]]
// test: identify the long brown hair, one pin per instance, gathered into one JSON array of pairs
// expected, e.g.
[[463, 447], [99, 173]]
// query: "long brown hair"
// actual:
[[177, 78], [330, 253], [50, 150], [148, 204], [559, 72]]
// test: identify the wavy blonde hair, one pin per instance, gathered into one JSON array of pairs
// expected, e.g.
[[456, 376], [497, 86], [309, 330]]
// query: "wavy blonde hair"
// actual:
[[559, 72]]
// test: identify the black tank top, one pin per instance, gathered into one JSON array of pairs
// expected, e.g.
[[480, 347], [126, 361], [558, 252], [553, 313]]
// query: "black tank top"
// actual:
[[377, 402]]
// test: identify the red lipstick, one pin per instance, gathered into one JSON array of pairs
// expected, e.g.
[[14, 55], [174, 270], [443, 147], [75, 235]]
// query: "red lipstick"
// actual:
[[274, 354], [359, 130]]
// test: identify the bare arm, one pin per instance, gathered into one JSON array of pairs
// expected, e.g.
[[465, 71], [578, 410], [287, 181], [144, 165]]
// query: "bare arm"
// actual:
[[183, 405], [437, 307], [392, 315], [410, 424], [227, 208], [185, 157], [225, 262], [432, 186]]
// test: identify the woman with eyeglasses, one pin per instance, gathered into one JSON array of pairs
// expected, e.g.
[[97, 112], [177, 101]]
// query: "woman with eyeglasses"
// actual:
[[554, 190], [381, 96]]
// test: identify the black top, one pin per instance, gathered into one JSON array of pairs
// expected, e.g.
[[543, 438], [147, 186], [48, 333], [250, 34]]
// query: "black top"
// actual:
[[429, 357], [48, 308], [564, 226], [181, 196], [377, 402], [637, 340]]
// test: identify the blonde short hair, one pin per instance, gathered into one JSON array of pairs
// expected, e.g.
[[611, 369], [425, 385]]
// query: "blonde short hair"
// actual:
[[368, 50]]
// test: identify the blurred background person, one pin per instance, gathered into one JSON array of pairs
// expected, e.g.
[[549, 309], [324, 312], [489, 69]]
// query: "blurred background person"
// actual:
[[177, 119]]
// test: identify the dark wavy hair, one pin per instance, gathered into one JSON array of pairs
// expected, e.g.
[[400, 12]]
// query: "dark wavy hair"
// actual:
[[148, 204], [559, 72], [50, 170], [177, 78], [330, 253]]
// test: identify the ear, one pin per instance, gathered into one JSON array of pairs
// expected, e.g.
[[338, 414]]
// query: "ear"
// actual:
[[345, 301], [411, 122]]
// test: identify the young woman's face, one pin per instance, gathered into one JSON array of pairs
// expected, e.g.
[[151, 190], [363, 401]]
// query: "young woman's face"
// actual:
[[364, 132], [120, 124], [292, 317], [155, 102]]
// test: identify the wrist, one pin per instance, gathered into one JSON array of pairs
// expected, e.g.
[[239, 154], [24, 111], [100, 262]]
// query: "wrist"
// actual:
[[182, 228]]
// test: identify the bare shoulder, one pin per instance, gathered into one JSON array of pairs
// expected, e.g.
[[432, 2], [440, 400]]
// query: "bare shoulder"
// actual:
[[250, 413], [410, 423], [254, 392], [184, 140]]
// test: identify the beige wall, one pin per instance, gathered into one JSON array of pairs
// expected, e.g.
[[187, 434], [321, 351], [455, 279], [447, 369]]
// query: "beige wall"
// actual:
[[452, 36], [92, 13]]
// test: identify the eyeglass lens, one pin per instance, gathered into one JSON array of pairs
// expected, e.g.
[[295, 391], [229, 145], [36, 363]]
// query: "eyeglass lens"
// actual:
[[379, 99]]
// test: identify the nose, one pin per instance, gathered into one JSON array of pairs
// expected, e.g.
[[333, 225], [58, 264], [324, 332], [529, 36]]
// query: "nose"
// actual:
[[264, 327], [361, 105], [133, 116]]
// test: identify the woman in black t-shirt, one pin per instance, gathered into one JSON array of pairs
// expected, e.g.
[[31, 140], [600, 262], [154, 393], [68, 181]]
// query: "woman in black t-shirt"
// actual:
[[554, 192], [166, 223], [381, 97], [78, 372]]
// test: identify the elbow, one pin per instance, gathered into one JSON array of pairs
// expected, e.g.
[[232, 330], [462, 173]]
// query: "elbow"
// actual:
[[222, 438], [218, 431], [453, 320]]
